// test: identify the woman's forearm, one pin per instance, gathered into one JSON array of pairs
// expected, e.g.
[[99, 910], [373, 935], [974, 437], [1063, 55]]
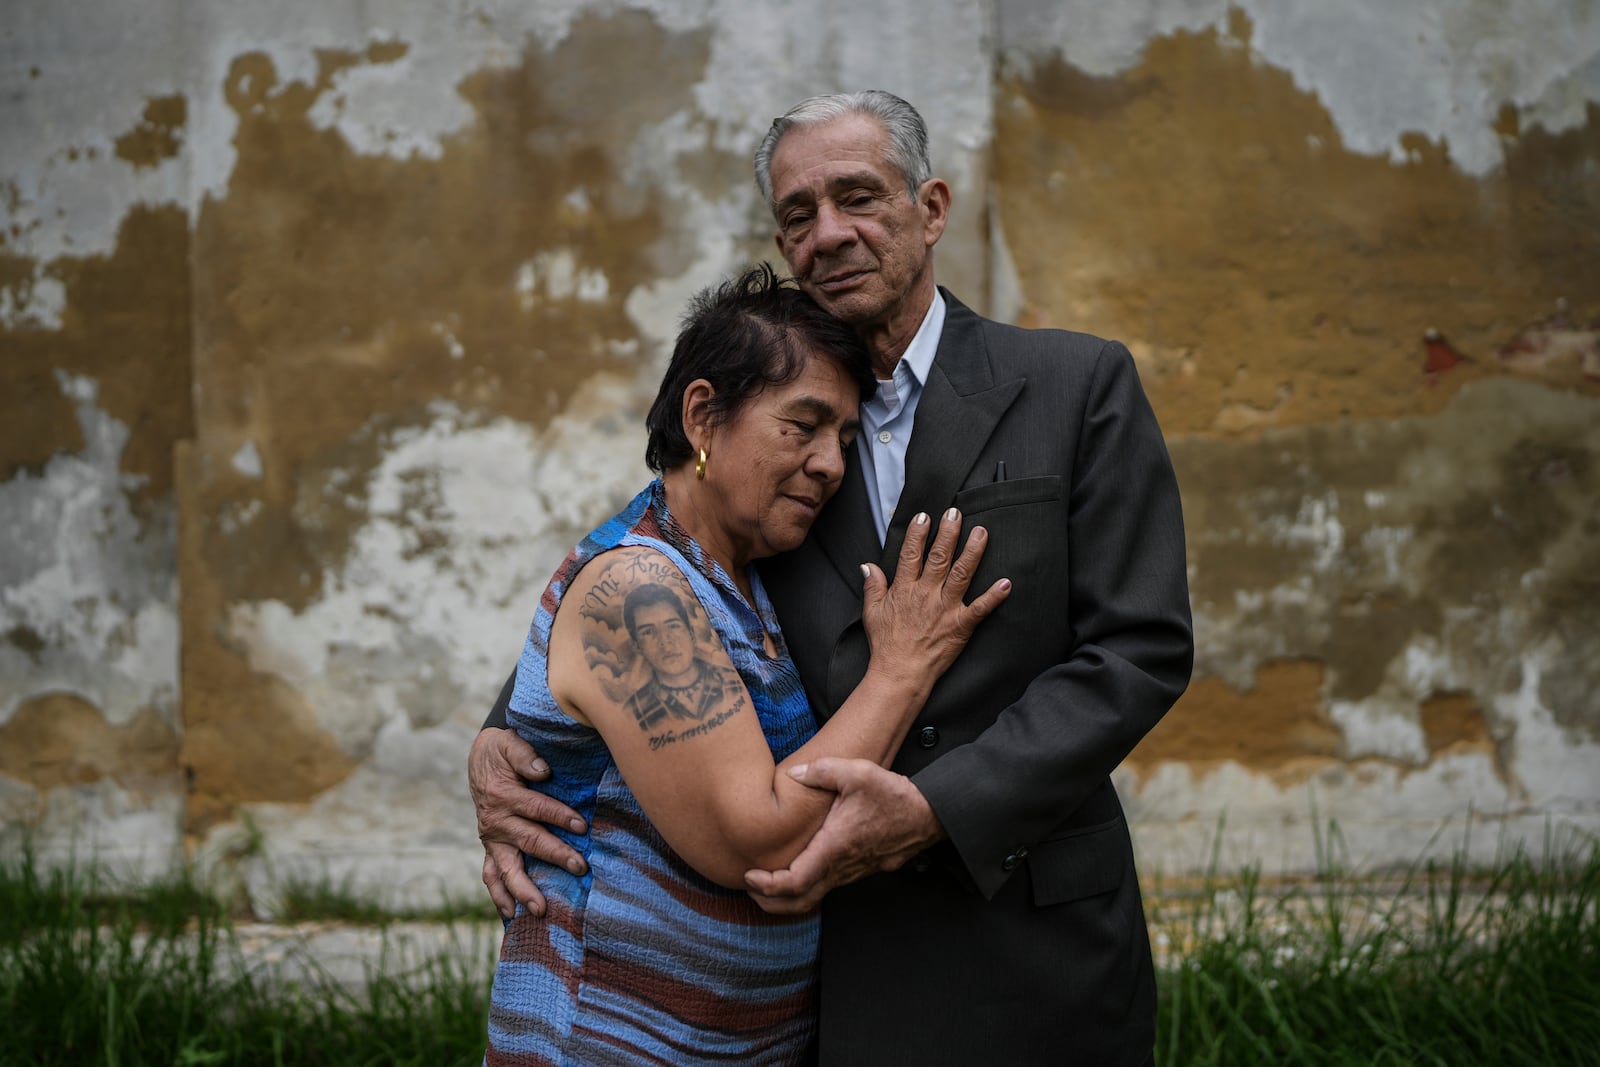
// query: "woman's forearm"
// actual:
[[769, 831]]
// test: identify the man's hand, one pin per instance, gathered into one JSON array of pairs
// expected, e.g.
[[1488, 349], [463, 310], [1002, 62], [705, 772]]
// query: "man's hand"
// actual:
[[878, 821], [512, 818]]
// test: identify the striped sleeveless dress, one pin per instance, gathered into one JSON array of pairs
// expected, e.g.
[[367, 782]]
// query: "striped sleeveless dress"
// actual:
[[642, 960]]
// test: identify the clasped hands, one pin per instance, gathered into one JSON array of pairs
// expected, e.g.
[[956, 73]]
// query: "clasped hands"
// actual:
[[877, 822]]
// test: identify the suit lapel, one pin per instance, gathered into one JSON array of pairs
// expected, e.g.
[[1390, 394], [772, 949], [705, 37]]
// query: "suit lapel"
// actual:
[[960, 406], [844, 530]]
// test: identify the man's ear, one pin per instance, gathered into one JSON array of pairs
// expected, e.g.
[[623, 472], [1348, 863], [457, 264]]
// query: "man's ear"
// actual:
[[934, 199], [697, 412]]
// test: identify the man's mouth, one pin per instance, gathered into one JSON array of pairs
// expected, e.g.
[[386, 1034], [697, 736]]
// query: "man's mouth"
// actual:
[[840, 280]]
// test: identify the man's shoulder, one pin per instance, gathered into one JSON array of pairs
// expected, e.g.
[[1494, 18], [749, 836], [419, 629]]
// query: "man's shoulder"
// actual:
[[1009, 338]]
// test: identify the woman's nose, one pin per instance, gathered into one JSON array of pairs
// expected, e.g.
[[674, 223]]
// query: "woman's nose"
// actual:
[[827, 461]]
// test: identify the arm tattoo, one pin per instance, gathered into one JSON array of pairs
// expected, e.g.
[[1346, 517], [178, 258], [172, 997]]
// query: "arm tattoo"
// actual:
[[644, 642], [671, 736]]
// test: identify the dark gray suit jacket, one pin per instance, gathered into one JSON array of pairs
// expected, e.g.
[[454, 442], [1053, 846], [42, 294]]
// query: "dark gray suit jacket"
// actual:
[[1021, 939]]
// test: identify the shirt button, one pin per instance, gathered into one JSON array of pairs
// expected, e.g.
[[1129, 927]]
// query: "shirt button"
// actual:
[[928, 737], [884, 436]]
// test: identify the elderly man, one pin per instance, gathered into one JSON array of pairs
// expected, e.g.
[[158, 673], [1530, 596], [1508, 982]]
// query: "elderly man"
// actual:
[[979, 901]]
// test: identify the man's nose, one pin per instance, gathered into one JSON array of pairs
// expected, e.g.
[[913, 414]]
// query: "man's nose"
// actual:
[[833, 228]]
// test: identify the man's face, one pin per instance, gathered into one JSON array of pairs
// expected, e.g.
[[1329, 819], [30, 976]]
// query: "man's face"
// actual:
[[664, 639], [847, 227]]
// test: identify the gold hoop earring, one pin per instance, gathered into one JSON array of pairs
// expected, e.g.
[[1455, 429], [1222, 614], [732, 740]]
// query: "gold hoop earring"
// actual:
[[700, 465]]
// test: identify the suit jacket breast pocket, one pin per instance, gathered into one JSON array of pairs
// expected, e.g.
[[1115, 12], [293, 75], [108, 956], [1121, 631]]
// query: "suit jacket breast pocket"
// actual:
[[1009, 494]]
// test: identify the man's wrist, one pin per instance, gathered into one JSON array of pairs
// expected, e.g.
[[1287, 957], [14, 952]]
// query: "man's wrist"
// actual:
[[928, 829]]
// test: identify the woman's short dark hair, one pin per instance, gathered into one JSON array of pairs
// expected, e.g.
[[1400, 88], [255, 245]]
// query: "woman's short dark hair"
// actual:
[[741, 336]]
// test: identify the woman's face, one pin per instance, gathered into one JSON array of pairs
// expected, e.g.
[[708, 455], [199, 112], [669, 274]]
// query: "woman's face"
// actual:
[[779, 459]]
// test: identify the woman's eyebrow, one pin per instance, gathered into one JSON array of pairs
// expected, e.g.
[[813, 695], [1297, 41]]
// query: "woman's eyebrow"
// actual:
[[821, 409]]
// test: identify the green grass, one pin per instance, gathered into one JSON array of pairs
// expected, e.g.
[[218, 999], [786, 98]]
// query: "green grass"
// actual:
[[98, 974], [1443, 965]]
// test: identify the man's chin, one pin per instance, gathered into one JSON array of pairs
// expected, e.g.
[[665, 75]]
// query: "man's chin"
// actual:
[[852, 305]]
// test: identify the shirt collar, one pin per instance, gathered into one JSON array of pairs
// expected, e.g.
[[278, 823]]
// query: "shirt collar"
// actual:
[[918, 357]]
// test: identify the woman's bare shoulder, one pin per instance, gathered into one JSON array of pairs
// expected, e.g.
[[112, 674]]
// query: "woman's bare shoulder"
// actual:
[[610, 576]]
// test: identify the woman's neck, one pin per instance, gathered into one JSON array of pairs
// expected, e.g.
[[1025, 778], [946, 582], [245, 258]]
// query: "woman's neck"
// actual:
[[693, 508]]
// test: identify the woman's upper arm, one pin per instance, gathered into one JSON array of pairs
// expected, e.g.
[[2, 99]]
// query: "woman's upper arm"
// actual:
[[633, 654]]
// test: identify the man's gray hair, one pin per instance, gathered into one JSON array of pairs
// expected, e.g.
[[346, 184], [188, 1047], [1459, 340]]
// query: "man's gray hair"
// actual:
[[908, 135]]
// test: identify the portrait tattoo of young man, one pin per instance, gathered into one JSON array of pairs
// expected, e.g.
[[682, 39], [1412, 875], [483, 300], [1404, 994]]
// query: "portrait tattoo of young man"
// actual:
[[643, 622]]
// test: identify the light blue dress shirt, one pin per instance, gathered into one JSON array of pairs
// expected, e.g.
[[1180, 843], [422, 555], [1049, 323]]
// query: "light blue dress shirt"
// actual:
[[886, 419]]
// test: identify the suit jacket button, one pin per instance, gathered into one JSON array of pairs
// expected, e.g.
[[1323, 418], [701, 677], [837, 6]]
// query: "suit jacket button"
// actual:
[[921, 864], [1011, 861], [928, 737]]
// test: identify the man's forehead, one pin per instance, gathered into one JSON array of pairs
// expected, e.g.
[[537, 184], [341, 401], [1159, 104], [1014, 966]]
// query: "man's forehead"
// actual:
[[849, 142]]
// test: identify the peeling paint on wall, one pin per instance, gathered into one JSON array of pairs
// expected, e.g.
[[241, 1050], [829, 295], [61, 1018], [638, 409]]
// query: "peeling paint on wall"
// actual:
[[89, 646], [158, 136], [338, 580], [344, 325], [60, 739], [1374, 348], [1391, 603], [125, 325], [1440, 72], [1263, 273]]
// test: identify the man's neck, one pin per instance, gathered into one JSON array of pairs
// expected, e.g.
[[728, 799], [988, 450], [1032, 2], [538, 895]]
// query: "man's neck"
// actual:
[[888, 339]]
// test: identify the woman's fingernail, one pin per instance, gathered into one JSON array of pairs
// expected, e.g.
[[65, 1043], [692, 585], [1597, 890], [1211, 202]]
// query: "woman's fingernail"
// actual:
[[866, 571], [978, 534], [952, 514], [1005, 583], [921, 519]]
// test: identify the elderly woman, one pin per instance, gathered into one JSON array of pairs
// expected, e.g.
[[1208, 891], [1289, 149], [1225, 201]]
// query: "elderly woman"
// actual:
[[670, 713]]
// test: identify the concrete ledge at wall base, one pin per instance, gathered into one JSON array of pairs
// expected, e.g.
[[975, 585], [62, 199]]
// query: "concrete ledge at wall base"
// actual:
[[1298, 844], [350, 955]]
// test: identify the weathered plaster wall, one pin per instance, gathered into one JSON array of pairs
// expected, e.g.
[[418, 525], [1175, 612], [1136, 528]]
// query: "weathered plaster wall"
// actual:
[[1393, 536], [95, 348], [324, 332], [342, 321]]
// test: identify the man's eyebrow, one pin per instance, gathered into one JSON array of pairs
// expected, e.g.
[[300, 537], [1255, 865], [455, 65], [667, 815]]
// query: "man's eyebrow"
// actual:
[[869, 178], [855, 179]]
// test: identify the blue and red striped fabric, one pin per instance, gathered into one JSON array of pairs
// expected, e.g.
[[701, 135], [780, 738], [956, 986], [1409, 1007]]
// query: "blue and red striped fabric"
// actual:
[[642, 960]]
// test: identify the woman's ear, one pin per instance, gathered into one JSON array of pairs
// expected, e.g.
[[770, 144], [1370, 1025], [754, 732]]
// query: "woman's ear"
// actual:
[[697, 412]]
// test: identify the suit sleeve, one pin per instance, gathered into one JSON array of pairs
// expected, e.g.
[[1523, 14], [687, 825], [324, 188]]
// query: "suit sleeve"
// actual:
[[1131, 642], [498, 718]]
